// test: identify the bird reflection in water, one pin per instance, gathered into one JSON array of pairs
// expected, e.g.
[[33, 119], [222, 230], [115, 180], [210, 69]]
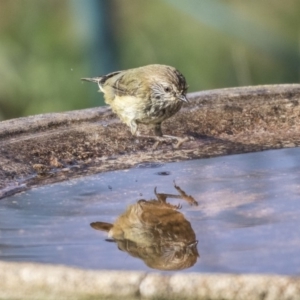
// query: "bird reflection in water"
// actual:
[[156, 232]]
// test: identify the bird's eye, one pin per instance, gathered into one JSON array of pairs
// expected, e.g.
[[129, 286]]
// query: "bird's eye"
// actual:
[[167, 89], [157, 97]]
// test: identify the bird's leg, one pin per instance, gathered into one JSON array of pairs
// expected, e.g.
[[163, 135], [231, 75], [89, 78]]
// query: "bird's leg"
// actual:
[[134, 131], [180, 140], [158, 132], [158, 137]]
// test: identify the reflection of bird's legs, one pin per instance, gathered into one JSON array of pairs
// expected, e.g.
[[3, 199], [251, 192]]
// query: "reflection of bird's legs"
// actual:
[[188, 198], [184, 196], [162, 198]]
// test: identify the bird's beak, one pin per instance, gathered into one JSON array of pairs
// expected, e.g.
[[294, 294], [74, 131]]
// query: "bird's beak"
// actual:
[[193, 248], [95, 79], [183, 98]]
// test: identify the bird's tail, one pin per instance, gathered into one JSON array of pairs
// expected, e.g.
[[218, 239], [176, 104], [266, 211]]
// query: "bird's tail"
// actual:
[[94, 79]]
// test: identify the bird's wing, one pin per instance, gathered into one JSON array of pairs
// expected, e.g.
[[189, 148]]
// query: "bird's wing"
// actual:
[[101, 79], [122, 83], [104, 78]]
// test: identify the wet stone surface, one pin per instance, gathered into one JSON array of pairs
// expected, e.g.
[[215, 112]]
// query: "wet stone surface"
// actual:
[[54, 147], [247, 219]]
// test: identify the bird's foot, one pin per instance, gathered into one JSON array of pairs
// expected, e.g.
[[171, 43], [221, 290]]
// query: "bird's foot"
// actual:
[[180, 140], [188, 198], [158, 139], [166, 138]]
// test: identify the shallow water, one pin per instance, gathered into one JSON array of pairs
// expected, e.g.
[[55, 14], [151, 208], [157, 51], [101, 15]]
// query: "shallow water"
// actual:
[[247, 220]]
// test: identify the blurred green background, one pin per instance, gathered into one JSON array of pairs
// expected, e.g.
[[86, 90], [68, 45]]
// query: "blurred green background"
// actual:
[[47, 46]]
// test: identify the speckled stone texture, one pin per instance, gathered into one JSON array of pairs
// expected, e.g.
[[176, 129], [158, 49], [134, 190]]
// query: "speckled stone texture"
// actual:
[[54, 147], [26, 281]]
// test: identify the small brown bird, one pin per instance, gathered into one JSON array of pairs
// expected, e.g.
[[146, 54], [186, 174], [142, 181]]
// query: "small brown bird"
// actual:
[[146, 95]]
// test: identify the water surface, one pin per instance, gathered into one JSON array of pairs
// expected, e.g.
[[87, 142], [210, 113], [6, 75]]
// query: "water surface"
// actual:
[[247, 220]]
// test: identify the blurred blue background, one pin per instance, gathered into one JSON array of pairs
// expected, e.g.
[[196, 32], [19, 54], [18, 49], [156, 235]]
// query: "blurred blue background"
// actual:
[[47, 46]]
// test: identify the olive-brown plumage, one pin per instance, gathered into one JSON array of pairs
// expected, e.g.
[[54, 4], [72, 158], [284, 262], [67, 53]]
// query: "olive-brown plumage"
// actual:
[[146, 95], [156, 232]]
